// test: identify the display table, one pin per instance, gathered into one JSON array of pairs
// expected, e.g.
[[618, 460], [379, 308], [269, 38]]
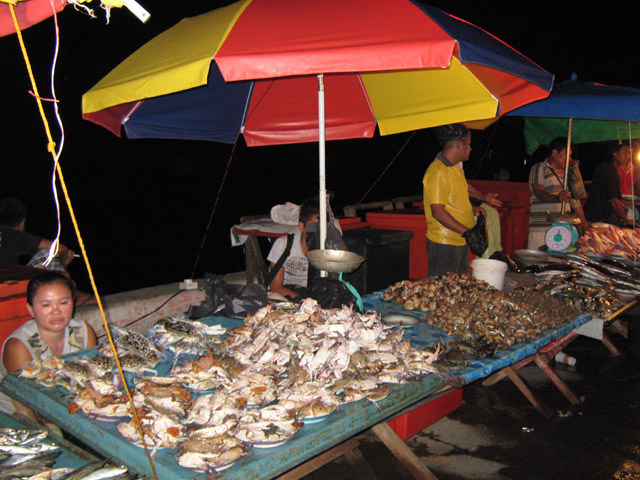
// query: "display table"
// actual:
[[321, 440], [312, 440]]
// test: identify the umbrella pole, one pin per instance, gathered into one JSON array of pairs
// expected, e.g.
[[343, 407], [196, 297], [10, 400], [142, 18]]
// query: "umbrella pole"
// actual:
[[633, 179], [321, 161], [566, 164]]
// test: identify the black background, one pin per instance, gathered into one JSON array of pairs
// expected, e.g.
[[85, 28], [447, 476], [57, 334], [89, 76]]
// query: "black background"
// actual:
[[143, 205]]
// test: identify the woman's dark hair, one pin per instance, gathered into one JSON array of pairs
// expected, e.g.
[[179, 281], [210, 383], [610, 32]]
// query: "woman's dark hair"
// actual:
[[12, 212], [47, 278]]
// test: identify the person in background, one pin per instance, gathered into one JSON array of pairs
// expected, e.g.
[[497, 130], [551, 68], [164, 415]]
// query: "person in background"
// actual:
[[546, 182], [290, 280], [16, 243], [447, 208], [605, 202], [53, 331], [626, 171]]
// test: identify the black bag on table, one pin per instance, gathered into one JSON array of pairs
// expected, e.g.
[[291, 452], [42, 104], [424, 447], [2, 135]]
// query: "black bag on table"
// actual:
[[331, 293], [222, 298]]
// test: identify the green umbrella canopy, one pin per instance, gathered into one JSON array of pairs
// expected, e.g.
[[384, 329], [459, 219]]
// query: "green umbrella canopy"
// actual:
[[540, 131]]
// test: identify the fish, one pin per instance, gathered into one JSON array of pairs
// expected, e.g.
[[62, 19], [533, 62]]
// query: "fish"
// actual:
[[20, 471], [103, 473], [31, 448], [85, 470], [55, 474], [41, 458]]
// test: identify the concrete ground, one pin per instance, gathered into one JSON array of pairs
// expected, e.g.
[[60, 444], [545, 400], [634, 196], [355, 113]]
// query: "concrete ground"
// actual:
[[497, 435]]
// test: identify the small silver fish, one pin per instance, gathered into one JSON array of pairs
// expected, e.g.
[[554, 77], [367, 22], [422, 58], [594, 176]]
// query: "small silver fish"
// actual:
[[106, 472], [27, 449], [55, 474]]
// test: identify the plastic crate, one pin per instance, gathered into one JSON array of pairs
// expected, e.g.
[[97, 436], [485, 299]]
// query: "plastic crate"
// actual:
[[420, 418], [13, 312]]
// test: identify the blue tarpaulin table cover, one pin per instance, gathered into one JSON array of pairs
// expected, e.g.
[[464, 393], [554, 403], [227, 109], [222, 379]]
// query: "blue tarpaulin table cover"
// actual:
[[347, 421]]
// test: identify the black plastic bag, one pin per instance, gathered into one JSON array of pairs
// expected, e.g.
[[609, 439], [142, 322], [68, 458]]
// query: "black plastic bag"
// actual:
[[331, 293], [236, 301], [476, 237]]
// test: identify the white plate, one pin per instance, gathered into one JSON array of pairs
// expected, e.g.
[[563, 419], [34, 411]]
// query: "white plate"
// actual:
[[400, 319], [271, 444], [310, 420], [216, 468]]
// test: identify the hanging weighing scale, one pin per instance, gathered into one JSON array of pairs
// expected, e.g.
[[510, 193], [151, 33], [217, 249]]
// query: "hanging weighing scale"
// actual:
[[562, 235], [338, 261]]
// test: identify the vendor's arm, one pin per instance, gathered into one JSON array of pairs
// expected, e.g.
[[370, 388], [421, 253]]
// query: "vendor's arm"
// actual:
[[65, 254], [14, 356], [440, 214], [621, 209], [488, 198], [580, 212], [546, 197], [277, 284]]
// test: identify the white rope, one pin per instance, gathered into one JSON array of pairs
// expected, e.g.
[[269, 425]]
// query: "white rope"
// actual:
[[53, 250]]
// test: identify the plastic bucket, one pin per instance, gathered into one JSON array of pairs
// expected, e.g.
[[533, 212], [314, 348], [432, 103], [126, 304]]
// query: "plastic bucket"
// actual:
[[491, 271]]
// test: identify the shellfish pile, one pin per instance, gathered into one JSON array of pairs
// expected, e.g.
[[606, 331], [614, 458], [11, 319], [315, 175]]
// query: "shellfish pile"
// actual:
[[461, 305]]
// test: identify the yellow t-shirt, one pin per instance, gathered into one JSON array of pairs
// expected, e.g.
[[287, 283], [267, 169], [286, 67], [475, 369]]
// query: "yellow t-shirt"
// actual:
[[445, 185]]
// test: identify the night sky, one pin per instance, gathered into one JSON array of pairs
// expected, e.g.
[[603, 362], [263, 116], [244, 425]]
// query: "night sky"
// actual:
[[143, 206]]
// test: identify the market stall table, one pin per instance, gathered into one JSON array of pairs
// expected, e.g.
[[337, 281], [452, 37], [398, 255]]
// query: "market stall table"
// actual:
[[311, 440]]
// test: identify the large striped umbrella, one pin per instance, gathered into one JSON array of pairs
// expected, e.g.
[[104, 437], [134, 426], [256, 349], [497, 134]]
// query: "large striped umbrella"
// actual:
[[290, 71]]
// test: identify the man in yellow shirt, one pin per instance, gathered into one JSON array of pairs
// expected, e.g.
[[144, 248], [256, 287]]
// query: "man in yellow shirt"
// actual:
[[446, 203]]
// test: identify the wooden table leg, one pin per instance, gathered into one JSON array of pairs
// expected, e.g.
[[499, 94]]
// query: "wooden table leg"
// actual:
[[500, 374], [606, 341], [403, 453], [360, 465], [543, 362], [540, 405], [321, 460]]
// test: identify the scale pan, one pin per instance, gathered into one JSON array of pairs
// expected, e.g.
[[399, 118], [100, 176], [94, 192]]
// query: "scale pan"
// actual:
[[334, 260]]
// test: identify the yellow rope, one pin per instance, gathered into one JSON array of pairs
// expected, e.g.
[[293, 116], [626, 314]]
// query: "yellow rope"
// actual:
[[51, 148]]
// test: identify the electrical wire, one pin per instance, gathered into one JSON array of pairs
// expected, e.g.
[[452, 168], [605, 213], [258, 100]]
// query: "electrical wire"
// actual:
[[384, 171], [147, 314], [213, 210]]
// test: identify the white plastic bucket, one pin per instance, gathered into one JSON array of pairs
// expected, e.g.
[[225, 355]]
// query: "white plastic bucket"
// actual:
[[491, 271]]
